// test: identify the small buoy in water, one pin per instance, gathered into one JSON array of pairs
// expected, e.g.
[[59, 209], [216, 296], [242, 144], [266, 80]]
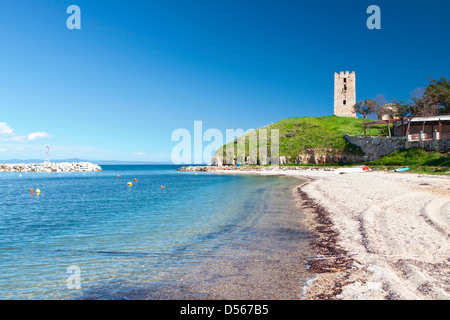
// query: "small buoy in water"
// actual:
[[196, 173], [130, 184], [38, 191], [20, 175], [162, 187], [118, 176], [31, 190], [135, 179]]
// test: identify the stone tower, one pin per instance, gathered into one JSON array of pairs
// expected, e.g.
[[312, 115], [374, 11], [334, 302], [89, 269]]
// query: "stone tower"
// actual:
[[344, 94]]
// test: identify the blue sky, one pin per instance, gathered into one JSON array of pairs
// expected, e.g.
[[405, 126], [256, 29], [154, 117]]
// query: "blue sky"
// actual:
[[138, 70]]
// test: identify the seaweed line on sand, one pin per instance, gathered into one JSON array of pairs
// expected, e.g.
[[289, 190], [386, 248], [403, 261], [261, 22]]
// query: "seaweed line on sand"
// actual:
[[333, 265]]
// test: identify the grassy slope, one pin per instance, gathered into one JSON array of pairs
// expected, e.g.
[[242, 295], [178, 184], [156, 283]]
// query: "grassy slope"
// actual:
[[320, 133], [417, 160]]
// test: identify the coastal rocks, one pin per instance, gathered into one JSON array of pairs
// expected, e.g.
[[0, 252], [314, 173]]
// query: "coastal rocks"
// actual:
[[195, 168], [216, 161], [51, 167], [211, 168], [309, 156], [315, 156]]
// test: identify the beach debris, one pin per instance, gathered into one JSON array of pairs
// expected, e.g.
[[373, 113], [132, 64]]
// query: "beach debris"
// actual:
[[401, 170], [359, 168], [364, 167], [348, 170], [329, 257]]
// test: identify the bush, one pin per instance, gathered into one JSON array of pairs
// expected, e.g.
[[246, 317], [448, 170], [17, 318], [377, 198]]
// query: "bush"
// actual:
[[418, 160]]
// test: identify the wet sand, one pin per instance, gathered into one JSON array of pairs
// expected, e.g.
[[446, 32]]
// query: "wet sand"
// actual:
[[377, 235]]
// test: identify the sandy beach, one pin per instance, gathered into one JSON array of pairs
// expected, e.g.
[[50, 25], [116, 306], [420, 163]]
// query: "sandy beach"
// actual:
[[379, 235]]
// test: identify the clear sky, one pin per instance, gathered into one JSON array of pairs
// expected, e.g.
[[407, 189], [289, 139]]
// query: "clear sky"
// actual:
[[138, 70]]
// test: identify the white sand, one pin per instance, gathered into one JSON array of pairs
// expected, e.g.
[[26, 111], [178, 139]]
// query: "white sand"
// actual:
[[395, 225]]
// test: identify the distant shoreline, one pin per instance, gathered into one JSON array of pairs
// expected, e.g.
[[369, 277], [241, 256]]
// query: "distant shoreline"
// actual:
[[77, 160]]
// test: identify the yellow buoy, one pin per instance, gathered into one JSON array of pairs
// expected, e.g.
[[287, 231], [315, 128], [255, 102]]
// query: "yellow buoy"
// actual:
[[118, 176], [130, 184], [38, 191]]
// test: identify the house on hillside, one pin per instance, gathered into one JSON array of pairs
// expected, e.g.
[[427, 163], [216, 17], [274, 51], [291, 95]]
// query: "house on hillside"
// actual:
[[435, 127], [387, 111]]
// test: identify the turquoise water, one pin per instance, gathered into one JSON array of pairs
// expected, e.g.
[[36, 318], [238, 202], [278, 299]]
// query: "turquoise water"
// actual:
[[123, 239]]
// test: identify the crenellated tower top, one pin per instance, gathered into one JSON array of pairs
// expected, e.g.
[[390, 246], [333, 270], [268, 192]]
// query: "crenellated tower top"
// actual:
[[344, 93]]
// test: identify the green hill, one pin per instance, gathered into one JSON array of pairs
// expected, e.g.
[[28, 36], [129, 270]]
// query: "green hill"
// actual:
[[321, 134]]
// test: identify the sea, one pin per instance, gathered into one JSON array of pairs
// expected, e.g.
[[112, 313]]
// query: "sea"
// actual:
[[150, 232]]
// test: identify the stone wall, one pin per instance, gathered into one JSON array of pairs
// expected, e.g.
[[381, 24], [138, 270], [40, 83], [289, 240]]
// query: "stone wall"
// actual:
[[376, 147], [430, 145]]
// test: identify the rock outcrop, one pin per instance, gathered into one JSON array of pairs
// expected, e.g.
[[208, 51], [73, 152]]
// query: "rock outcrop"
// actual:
[[309, 156], [211, 168]]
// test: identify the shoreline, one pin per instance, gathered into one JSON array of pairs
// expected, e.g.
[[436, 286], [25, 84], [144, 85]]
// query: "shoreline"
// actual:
[[332, 265], [378, 235], [261, 256]]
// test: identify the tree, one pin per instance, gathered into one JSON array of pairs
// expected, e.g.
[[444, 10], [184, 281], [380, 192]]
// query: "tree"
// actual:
[[426, 106], [403, 108], [420, 103], [380, 100], [439, 92], [382, 107], [365, 108]]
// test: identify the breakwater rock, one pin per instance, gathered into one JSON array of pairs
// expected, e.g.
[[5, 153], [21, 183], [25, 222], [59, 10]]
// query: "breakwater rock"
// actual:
[[50, 167]]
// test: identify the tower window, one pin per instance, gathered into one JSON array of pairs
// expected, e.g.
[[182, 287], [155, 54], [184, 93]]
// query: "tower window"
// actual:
[[345, 80], [345, 102], [345, 87]]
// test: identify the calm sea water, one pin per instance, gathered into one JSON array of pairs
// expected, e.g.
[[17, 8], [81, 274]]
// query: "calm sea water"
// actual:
[[126, 240]]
